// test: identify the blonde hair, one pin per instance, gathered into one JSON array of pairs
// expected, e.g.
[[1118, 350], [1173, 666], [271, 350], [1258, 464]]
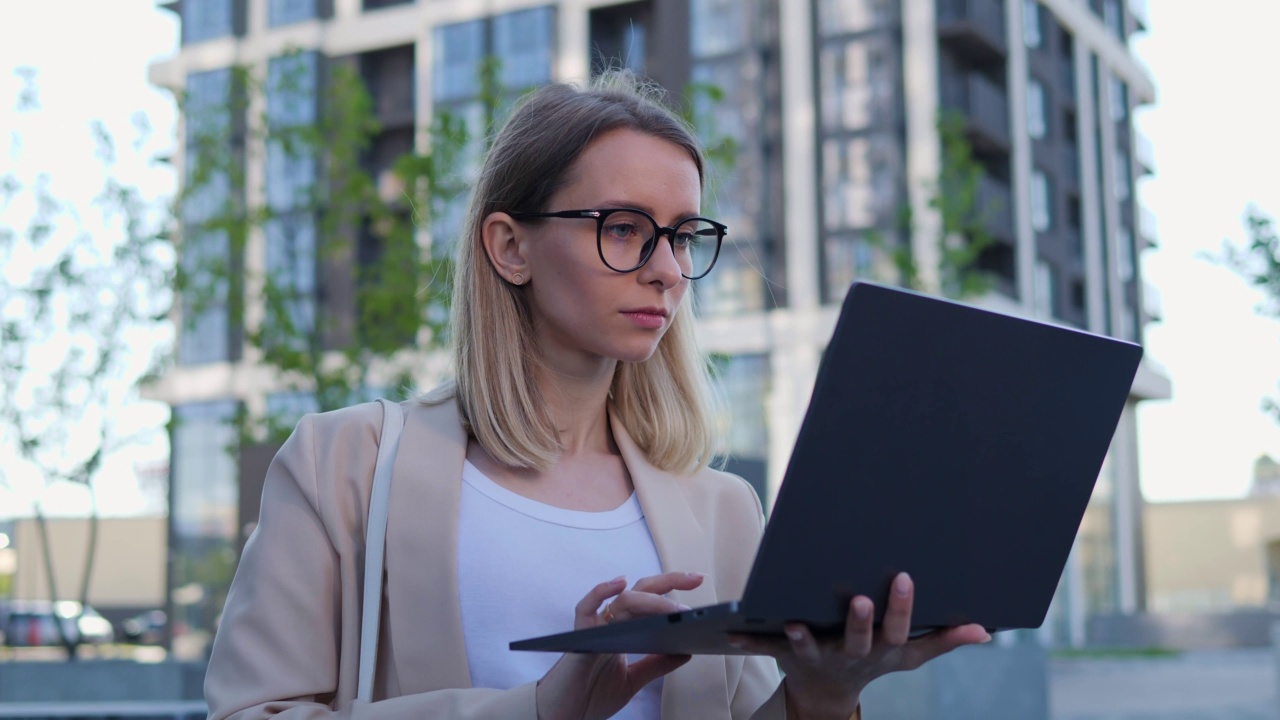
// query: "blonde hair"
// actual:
[[663, 402]]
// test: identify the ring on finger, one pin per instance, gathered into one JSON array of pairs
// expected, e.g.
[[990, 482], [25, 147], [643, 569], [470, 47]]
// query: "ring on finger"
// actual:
[[607, 614]]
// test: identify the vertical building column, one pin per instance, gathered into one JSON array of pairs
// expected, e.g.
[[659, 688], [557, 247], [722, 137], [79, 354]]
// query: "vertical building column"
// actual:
[[573, 41], [1090, 193], [1130, 565], [795, 353], [1021, 160], [924, 146], [246, 372]]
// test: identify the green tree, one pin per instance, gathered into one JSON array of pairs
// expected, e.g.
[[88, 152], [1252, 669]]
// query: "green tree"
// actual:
[[84, 296], [1258, 263], [963, 236]]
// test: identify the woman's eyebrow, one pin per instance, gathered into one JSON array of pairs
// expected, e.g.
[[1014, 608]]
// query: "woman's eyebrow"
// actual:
[[632, 205]]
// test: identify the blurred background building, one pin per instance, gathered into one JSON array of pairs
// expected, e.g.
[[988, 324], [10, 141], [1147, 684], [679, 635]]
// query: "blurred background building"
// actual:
[[834, 107]]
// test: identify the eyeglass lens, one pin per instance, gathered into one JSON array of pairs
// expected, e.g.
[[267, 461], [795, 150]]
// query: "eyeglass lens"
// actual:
[[627, 241]]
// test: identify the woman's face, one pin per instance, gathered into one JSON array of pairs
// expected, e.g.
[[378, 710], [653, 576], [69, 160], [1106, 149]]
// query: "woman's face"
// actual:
[[584, 312]]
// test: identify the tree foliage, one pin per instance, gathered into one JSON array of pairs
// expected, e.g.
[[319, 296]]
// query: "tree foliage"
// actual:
[[963, 236], [1258, 263], [84, 294]]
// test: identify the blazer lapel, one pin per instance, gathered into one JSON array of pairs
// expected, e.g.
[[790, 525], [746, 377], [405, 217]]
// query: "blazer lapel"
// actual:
[[422, 551], [681, 546]]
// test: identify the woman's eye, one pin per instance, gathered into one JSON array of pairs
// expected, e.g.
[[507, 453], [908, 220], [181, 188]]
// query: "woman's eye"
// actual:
[[620, 230]]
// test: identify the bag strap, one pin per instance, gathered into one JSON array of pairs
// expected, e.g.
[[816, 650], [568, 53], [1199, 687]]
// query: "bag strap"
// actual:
[[375, 545]]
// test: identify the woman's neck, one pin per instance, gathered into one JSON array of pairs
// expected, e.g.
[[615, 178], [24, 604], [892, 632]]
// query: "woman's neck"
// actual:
[[579, 408]]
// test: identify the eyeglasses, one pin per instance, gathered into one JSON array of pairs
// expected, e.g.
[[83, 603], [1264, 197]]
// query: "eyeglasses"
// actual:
[[626, 238]]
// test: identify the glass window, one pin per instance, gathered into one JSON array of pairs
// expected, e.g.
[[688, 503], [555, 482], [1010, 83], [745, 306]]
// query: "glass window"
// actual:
[[1113, 17], [204, 513], [291, 265], [840, 17], [458, 51], [743, 381], [847, 258], [1123, 175], [717, 27], [1119, 98], [859, 181], [285, 409], [1040, 202], [206, 20], [285, 12], [291, 89], [522, 42], [856, 84], [1031, 24], [1035, 109], [1044, 289], [736, 285], [1124, 252]]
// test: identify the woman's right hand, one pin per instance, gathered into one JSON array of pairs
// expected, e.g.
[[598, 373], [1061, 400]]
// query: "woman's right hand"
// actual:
[[584, 686]]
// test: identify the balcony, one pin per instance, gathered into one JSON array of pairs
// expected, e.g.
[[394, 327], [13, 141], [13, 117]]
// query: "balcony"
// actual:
[[1152, 305], [984, 106], [1070, 166], [1141, 19], [1144, 153], [973, 28], [994, 204], [1147, 228]]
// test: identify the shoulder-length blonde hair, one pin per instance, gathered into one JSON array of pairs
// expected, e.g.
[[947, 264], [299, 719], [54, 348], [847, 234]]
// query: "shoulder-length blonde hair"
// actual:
[[663, 402]]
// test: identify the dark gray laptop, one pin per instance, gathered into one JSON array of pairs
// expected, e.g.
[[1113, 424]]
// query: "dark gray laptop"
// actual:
[[954, 443]]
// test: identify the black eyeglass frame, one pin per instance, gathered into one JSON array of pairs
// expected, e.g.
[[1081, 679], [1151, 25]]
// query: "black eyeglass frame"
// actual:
[[659, 231]]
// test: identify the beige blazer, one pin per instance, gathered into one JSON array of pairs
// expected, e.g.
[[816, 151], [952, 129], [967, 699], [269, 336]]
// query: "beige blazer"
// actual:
[[290, 633]]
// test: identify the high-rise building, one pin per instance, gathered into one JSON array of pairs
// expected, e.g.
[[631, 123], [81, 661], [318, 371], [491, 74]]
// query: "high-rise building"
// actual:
[[833, 107]]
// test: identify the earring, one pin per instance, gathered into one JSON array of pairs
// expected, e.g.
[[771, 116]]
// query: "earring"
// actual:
[[518, 278]]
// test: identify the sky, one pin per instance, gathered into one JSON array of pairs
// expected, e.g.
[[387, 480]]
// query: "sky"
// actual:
[[1213, 129]]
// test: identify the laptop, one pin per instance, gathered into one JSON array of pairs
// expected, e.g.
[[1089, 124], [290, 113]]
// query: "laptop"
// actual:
[[957, 444]]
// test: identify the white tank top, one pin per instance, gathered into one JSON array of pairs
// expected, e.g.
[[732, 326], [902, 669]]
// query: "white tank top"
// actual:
[[524, 565]]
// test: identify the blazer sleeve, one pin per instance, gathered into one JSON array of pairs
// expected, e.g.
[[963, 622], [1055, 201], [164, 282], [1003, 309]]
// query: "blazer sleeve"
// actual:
[[278, 649]]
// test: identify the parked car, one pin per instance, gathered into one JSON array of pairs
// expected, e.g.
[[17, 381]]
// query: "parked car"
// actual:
[[145, 628], [31, 623]]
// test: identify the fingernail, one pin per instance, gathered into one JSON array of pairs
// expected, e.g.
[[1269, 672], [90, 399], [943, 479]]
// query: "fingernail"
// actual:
[[682, 608], [696, 576], [987, 639], [902, 584], [620, 578], [862, 608], [794, 633]]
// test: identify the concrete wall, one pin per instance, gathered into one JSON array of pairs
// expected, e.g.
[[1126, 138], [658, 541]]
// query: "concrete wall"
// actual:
[[128, 569], [1184, 631], [1211, 555], [100, 681], [989, 681]]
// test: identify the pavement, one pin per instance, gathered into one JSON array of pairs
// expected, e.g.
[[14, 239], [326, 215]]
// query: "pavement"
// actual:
[[1239, 684]]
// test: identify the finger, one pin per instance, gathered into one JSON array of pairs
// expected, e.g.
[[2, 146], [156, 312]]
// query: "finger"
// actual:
[[803, 645], [922, 650], [584, 614], [666, 582], [859, 628], [897, 614], [650, 668], [630, 604]]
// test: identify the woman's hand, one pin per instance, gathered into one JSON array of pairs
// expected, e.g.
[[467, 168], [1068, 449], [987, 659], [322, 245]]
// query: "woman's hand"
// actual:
[[583, 686], [825, 677]]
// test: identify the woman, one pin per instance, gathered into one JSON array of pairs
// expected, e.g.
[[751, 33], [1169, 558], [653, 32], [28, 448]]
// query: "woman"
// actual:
[[572, 448]]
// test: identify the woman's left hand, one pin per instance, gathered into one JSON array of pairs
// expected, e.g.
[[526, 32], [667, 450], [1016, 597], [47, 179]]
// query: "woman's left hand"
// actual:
[[825, 677]]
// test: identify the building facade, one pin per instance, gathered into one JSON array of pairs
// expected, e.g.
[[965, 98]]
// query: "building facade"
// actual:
[[833, 107]]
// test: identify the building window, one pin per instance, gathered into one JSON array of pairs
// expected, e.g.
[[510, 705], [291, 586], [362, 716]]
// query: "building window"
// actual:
[[743, 383], [1045, 292], [1123, 175], [287, 12], [857, 84], [376, 4], [1041, 217], [620, 37], [1036, 124], [206, 20], [717, 27], [203, 514], [1113, 18], [847, 258], [859, 181], [1119, 98], [206, 253], [1032, 25], [291, 176], [1124, 253], [842, 17], [522, 43]]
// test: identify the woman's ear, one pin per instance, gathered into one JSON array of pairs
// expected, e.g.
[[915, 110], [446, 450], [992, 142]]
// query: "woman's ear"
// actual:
[[503, 240]]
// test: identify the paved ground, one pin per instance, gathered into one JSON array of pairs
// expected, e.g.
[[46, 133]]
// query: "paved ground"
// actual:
[[1202, 685]]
